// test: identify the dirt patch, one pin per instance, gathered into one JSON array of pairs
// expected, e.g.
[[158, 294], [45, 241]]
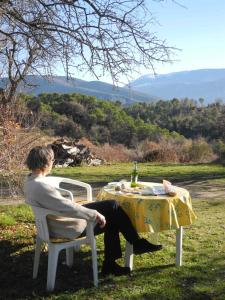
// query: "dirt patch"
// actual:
[[11, 201], [204, 190]]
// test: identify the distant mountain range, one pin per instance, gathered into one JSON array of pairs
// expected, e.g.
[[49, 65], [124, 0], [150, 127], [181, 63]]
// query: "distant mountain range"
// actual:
[[99, 89], [206, 83]]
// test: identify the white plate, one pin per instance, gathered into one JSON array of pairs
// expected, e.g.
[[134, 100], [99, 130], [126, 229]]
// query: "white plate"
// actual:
[[154, 190]]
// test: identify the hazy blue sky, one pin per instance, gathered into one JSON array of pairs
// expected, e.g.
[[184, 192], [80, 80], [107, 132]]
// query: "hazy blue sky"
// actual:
[[197, 28]]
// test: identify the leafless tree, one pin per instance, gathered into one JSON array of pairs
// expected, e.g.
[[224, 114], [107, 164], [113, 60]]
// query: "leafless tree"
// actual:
[[100, 36], [36, 36]]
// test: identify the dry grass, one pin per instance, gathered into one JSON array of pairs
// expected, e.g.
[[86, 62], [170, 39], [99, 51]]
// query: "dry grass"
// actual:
[[111, 153]]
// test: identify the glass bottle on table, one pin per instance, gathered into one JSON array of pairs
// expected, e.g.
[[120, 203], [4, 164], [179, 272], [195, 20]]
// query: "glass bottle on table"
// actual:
[[134, 176]]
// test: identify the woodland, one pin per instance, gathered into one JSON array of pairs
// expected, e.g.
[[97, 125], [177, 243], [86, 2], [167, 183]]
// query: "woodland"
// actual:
[[165, 123]]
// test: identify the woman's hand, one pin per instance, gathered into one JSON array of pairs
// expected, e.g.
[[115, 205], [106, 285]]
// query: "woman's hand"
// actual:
[[100, 220]]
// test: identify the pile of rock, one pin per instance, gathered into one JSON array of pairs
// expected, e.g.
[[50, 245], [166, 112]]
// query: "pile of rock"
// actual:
[[70, 153]]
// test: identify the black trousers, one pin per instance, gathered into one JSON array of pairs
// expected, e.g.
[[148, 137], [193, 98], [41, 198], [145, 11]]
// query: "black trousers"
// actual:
[[116, 221]]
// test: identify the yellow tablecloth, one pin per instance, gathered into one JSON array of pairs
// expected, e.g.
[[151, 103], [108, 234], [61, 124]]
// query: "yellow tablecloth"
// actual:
[[153, 213]]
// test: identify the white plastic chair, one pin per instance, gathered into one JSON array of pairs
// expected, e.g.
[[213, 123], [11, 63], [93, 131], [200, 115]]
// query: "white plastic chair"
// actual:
[[55, 247], [56, 181]]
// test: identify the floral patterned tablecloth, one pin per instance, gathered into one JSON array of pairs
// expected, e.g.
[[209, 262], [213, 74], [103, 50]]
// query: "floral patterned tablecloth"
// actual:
[[153, 213]]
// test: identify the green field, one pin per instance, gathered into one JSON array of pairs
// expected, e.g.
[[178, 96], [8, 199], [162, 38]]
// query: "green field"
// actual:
[[155, 276], [147, 171]]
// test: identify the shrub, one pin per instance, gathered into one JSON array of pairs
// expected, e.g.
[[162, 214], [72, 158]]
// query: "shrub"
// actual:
[[164, 151], [201, 151], [219, 149], [110, 153], [17, 137], [173, 150]]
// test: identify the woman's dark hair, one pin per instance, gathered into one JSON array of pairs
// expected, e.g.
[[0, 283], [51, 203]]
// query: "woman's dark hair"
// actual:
[[39, 158]]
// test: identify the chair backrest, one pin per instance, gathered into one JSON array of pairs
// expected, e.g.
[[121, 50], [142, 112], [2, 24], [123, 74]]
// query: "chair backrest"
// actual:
[[41, 221], [55, 182]]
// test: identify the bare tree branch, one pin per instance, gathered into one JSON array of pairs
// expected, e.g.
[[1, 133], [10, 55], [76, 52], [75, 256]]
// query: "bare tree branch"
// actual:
[[101, 36]]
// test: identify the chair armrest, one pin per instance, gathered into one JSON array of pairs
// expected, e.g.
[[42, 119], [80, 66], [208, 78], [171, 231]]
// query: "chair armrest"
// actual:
[[42, 225], [63, 192]]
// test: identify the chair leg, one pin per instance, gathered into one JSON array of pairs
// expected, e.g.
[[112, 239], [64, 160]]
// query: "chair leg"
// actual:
[[94, 260], [92, 241], [69, 257], [129, 257], [53, 254], [37, 257], [179, 239], [77, 248]]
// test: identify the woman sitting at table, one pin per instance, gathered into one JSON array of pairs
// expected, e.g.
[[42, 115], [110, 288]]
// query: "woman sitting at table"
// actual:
[[109, 216]]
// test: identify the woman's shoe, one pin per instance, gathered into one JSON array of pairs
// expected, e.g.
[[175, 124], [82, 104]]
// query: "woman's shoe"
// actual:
[[115, 269], [143, 246]]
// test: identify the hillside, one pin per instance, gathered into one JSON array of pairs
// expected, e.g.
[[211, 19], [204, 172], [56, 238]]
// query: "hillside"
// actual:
[[206, 83], [99, 89]]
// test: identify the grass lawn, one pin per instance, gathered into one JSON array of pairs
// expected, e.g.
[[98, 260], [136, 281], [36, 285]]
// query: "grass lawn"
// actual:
[[155, 276], [147, 171]]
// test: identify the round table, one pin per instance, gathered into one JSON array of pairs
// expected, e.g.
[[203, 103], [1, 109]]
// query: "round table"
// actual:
[[153, 213]]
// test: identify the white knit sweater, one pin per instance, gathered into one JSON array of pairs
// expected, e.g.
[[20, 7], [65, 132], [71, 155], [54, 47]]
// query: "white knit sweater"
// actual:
[[39, 193]]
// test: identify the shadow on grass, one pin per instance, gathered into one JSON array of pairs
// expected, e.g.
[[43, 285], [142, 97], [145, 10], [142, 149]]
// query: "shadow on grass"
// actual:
[[204, 281], [17, 266], [201, 282]]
